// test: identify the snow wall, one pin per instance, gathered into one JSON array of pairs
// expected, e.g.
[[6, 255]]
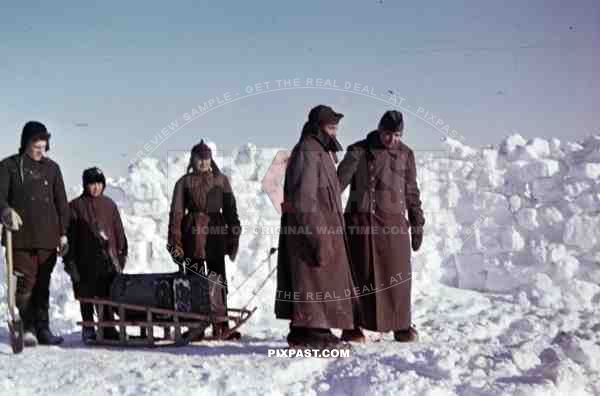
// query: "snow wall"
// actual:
[[521, 219]]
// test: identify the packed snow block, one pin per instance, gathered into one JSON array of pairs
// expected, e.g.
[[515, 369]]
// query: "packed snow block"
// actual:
[[511, 239], [449, 275], [140, 227], [585, 293], [515, 203], [574, 187], [547, 189], [587, 203], [527, 171], [499, 279], [147, 180], [538, 147], [552, 222], [556, 151], [565, 268], [538, 249], [471, 271], [473, 207], [541, 168], [458, 150], [556, 252], [490, 179], [543, 292], [585, 170], [244, 158], [583, 232], [527, 218], [493, 240], [510, 144]]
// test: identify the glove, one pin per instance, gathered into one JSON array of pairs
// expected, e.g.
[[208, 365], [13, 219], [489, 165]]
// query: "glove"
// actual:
[[176, 253], [416, 237], [63, 247], [11, 219]]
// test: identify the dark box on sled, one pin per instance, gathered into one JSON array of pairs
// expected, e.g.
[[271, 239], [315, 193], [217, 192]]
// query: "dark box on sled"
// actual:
[[200, 295]]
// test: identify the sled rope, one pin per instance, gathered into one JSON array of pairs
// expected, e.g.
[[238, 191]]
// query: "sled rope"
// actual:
[[260, 287], [262, 263]]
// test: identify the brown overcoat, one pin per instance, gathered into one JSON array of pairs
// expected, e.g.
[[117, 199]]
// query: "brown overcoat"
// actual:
[[313, 275], [35, 189], [89, 215], [203, 220], [383, 188]]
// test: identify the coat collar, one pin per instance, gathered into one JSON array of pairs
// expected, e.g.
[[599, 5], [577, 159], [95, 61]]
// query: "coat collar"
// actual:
[[376, 147], [329, 143]]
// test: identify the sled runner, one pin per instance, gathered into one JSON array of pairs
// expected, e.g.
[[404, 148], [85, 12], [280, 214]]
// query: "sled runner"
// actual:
[[168, 301]]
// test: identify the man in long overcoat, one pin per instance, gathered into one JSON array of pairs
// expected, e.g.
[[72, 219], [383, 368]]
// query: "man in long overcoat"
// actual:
[[314, 281], [381, 172], [33, 204]]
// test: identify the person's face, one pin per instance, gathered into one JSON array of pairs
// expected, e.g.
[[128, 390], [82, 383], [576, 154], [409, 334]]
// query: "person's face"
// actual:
[[94, 189], [330, 129], [201, 165], [390, 139], [36, 149]]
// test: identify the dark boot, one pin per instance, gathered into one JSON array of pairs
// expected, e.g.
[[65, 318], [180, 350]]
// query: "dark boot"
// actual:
[[26, 312], [111, 333], [354, 335], [296, 336], [312, 338], [45, 336], [221, 329], [88, 334], [197, 337], [409, 335]]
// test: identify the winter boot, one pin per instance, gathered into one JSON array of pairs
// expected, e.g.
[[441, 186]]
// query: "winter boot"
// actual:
[[354, 335], [88, 334], [45, 336], [220, 329], [304, 337], [198, 335], [409, 335], [110, 333], [23, 302], [29, 338]]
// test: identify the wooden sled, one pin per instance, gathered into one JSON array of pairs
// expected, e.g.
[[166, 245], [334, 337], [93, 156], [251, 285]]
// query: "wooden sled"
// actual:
[[170, 321]]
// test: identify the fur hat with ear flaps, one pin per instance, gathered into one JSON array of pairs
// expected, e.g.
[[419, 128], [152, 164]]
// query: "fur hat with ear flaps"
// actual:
[[203, 151], [391, 121], [33, 131], [93, 175]]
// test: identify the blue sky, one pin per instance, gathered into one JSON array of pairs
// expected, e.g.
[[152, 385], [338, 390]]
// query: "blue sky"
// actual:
[[127, 69]]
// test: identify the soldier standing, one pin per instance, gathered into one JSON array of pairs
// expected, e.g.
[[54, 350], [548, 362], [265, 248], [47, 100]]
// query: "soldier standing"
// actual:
[[382, 175]]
